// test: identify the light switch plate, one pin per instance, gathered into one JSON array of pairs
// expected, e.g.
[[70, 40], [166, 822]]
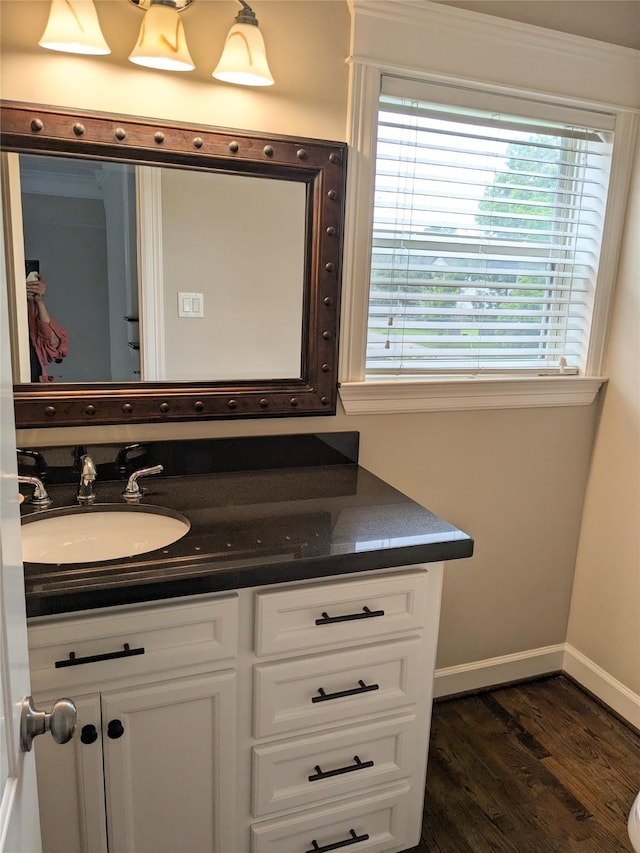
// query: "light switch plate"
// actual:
[[190, 304]]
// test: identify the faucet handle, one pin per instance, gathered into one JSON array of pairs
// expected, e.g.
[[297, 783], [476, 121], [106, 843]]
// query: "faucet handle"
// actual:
[[87, 467], [40, 498], [133, 493]]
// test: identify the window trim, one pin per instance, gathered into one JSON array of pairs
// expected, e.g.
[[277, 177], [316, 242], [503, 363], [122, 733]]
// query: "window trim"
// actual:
[[364, 395], [448, 394]]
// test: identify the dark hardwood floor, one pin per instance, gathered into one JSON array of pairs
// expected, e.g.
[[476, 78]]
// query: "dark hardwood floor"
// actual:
[[529, 768]]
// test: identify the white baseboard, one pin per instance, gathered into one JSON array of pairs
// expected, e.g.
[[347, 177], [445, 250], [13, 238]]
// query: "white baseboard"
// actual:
[[607, 688], [563, 657], [500, 670]]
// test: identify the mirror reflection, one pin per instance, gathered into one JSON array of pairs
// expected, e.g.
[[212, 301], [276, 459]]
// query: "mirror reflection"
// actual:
[[158, 273]]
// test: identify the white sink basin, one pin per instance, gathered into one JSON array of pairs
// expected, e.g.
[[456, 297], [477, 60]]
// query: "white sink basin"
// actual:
[[93, 534]]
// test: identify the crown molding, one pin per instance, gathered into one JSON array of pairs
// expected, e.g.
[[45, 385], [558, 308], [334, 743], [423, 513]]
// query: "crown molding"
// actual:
[[424, 11], [608, 68]]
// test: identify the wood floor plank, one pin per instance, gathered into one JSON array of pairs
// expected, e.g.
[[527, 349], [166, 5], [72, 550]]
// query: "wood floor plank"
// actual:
[[559, 710], [511, 787], [529, 768], [585, 753], [482, 816]]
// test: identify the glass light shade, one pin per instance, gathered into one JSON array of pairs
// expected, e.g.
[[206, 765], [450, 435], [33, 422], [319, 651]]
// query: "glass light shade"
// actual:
[[162, 42], [73, 27], [244, 58]]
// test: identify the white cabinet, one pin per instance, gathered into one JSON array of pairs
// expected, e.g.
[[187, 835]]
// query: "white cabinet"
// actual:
[[153, 777], [342, 692], [281, 719], [151, 768], [169, 776]]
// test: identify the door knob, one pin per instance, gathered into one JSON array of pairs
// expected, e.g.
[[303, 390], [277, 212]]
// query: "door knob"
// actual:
[[61, 722]]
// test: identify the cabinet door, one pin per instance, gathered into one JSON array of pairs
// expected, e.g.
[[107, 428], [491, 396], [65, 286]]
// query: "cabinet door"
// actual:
[[70, 784], [169, 755]]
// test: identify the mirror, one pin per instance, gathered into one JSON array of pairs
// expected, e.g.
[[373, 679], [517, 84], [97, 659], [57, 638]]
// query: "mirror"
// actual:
[[245, 230], [188, 272]]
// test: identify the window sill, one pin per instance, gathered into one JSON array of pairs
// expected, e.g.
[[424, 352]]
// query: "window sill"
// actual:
[[379, 397]]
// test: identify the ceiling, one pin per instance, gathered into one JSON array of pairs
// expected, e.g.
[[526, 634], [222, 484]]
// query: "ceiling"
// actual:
[[613, 21]]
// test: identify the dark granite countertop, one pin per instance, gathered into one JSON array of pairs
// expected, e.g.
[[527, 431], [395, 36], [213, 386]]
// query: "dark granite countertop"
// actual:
[[249, 527]]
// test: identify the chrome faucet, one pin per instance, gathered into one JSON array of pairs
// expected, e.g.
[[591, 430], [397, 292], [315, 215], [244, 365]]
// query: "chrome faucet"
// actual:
[[86, 494], [133, 493], [40, 497]]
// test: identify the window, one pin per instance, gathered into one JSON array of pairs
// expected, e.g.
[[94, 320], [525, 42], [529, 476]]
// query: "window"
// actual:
[[487, 224], [480, 280]]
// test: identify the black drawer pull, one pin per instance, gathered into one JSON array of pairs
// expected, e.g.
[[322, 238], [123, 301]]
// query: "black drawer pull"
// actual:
[[355, 838], [325, 697], [366, 614], [72, 660], [359, 765]]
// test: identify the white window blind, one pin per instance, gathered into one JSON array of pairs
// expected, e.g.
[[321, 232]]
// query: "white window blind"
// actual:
[[488, 216]]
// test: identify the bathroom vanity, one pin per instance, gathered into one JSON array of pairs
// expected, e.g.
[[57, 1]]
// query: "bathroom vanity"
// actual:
[[262, 684]]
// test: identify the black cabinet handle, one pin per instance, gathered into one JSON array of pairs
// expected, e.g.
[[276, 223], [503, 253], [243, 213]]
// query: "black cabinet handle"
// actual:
[[325, 774], [72, 660], [89, 734], [325, 697], [366, 614], [115, 729], [355, 838]]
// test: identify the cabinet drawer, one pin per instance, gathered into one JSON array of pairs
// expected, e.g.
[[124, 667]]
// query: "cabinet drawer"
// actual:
[[329, 688], [379, 822], [321, 767], [307, 617], [172, 637]]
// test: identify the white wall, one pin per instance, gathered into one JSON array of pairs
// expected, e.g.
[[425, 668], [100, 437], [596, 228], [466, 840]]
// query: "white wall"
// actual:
[[239, 241], [514, 479], [605, 608], [306, 43]]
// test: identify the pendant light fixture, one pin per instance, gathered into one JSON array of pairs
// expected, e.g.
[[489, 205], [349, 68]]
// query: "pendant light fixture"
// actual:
[[73, 27], [162, 43], [244, 58]]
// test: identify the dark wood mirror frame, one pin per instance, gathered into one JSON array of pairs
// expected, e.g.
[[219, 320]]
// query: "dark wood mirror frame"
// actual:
[[321, 165]]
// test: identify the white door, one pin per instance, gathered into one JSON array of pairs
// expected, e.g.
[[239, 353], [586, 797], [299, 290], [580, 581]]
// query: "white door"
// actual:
[[19, 824]]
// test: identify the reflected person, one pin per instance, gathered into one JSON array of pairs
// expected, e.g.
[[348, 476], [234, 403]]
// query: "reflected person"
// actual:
[[48, 340]]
